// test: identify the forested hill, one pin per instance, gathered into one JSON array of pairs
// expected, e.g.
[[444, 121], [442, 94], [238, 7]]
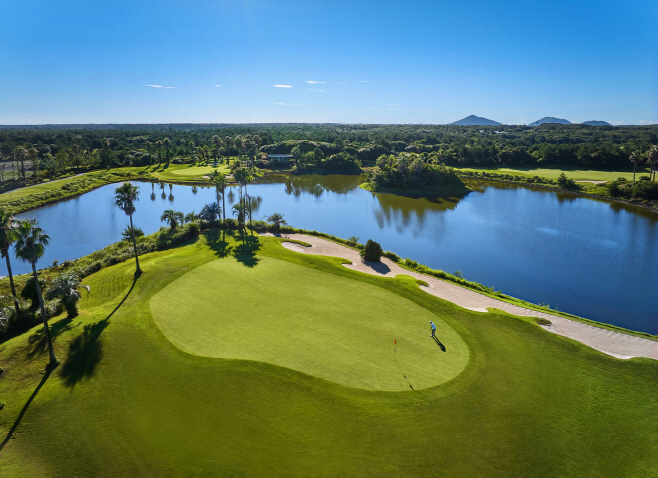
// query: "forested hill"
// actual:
[[591, 146]]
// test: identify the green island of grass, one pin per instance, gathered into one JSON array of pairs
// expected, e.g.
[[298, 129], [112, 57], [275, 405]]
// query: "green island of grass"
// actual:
[[276, 363]]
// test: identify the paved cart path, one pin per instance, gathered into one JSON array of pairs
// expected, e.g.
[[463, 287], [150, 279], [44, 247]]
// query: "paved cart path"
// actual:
[[607, 341]]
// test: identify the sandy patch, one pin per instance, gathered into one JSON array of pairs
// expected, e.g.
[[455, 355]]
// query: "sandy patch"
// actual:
[[590, 181], [607, 341]]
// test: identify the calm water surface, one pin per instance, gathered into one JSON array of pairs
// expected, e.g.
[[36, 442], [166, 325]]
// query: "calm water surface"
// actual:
[[592, 258]]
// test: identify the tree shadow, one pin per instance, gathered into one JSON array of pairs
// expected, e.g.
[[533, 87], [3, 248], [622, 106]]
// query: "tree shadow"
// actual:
[[378, 267], [438, 342], [37, 345], [246, 252], [86, 350], [216, 239], [49, 370], [85, 353]]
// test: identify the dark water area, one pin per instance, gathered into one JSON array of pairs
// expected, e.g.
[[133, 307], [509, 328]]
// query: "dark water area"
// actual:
[[593, 258]]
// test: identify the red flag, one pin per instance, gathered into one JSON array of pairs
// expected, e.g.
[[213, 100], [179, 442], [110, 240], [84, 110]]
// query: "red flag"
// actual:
[[395, 341]]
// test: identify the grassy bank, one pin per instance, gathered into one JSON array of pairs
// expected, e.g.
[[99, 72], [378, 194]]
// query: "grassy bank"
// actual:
[[39, 195], [126, 401], [554, 171], [440, 191]]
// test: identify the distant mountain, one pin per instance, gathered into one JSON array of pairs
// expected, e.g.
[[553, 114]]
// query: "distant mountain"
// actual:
[[475, 121], [597, 123], [550, 119]]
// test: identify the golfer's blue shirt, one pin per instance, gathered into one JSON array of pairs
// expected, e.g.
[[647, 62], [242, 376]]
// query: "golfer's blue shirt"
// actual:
[[433, 326]]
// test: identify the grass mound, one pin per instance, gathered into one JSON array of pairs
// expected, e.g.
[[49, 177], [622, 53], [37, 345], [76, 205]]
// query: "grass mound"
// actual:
[[325, 325]]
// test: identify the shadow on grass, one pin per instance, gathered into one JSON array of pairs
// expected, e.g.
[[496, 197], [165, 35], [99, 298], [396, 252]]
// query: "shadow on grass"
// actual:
[[86, 350], [37, 343], [246, 252], [49, 370], [438, 342]]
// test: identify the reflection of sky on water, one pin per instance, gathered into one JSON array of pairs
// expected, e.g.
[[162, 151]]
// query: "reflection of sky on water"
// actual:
[[588, 257]]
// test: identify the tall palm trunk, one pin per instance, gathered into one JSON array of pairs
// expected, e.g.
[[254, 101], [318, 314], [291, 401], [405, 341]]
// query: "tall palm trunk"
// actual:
[[223, 205], [51, 351], [11, 283], [132, 233]]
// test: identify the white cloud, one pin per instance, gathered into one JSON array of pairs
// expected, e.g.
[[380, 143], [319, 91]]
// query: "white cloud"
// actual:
[[648, 122], [312, 82], [363, 81], [218, 85], [282, 86], [160, 86], [319, 90], [154, 86]]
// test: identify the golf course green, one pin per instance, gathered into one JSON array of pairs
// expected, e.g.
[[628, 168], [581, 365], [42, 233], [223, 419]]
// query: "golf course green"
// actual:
[[329, 326], [277, 363]]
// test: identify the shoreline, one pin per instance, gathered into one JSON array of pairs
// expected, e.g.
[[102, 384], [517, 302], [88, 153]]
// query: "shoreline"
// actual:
[[548, 188], [610, 342]]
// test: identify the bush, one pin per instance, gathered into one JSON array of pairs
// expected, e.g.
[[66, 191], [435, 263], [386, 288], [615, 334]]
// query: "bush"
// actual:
[[126, 233], [194, 229], [29, 291], [372, 252]]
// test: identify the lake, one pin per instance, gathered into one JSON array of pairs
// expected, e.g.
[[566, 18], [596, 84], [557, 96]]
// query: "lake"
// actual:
[[593, 258]]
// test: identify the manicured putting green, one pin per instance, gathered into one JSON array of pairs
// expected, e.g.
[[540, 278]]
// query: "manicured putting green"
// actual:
[[318, 323]]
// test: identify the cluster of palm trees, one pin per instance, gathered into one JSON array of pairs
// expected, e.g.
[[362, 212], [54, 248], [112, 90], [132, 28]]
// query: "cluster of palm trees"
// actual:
[[652, 158], [29, 243]]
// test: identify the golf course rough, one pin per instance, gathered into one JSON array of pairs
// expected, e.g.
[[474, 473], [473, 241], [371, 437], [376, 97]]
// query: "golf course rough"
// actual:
[[335, 328], [125, 401]]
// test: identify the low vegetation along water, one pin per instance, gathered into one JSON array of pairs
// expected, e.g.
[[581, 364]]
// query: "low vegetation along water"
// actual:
[[592, 258]]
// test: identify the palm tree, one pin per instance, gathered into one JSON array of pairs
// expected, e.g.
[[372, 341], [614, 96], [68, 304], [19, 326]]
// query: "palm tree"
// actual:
[[635, 158], [243, 176], [652, 158], [158, 145], [30, 245], [7, 237], [148, 148], [75, 151], [277, 219], [125, 198], [19, 157], [173, 218], [221, 181], [191, 217], [33, 155], [217, 143], [210, 212], [167, 144], [240, 210], [227, 142]]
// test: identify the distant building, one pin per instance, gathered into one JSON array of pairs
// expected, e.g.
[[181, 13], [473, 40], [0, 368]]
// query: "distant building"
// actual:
[[279, 157]]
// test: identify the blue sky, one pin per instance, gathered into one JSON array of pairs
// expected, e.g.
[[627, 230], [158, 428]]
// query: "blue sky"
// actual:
[[371, 61]]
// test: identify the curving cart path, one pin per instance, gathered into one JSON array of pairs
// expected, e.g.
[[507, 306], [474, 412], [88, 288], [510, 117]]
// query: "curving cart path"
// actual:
[[607, 341]]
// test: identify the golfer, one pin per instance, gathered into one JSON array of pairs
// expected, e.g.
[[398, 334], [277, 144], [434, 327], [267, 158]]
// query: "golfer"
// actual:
[[433, 328]]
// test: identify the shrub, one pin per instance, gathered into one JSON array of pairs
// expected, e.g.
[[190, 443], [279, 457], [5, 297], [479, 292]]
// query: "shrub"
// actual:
[[139, 232], [372, 252], [29, 291], [392, 256], [194, 229]]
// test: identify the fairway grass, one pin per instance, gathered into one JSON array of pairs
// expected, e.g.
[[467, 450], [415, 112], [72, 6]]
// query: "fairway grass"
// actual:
[[328, 326], [554, 173], [126, 401]]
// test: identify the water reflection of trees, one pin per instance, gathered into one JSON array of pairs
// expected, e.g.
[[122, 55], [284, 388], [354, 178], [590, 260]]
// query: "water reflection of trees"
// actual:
[[402, 212], [315, 184]]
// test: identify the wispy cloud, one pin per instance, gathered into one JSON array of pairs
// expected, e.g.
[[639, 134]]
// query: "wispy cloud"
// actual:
[[160, 86], [218, 85], [648, 122], [282, 86], [313, 82], [363, 81]]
